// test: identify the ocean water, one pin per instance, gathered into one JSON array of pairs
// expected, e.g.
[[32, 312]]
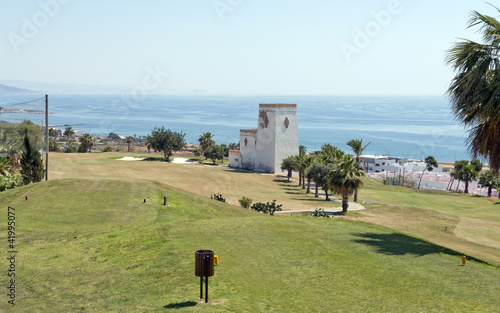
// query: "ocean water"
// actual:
[[411, 127]]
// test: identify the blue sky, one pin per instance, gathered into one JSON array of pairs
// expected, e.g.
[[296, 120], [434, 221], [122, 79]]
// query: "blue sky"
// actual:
[[243, 47]]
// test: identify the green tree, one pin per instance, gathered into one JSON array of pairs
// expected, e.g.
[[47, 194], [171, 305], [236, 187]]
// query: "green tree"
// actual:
[[233, 146], [31, 163], [467, 174], [430, 164], [457, 168], [318, 172], [214, 153], [205, 140], [114, 136], [5, 166], [129, 141], [357, 148], [166, 141], [490, 180], [287, 165], [345, 179], [53, 133], [300, 165], [475, 88], [87, 141], [478, 166], [68, 133]]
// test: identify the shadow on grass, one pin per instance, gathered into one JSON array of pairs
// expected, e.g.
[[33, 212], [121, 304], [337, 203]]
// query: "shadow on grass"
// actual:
[[400, 244], [180, 305], [152, 159]]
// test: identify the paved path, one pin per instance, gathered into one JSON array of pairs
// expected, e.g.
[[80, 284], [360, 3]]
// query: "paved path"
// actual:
[[353, 206]]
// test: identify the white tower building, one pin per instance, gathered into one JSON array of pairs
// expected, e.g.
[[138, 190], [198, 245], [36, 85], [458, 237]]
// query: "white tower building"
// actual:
[[275, 138]]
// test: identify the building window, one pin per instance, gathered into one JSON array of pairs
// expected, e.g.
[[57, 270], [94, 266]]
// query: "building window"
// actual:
[[246, 142], [255, 141], [236, 160], [377, 164], [266, 121], [287, 122]]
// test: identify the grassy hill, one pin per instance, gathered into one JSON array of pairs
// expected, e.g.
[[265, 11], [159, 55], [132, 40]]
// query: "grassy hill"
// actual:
[[89, 243]]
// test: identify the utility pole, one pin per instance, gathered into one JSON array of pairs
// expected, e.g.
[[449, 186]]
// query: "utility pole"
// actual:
[[46, 137]]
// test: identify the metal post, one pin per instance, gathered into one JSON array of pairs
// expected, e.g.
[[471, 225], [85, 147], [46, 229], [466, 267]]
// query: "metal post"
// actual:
[[46, 137], [207, 263], [165, 200], [201, 287]]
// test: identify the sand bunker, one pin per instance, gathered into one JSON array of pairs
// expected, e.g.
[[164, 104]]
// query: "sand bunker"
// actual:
[[181, 160], [130, 159]]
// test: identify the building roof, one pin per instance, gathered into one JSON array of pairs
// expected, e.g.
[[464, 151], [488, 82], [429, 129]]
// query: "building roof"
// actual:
[[251, 130], [277, 105], [234, 151]]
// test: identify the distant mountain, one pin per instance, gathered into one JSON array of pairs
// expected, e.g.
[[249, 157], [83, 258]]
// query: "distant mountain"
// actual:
[[4, 89], [55, 88]]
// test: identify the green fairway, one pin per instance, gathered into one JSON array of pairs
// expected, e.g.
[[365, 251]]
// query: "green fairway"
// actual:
[[93, 245], [463, 222]]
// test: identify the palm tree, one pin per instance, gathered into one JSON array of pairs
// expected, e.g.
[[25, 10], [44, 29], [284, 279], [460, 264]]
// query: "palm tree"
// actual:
[[287, 165], [490, 180], [129, 141], [467, 174], [357, 148], [205, 141], [475, 88], [318, 173], [87, 142], [299, 165], [345, 179], [430, 164]]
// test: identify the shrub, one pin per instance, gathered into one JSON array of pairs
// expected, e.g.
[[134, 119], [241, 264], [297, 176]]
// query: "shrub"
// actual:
[[107, 149], [245, 202], [10, 180], [400, 180], [267, 208], [70, 149], [197, 152], [319, 213], [218, 197]]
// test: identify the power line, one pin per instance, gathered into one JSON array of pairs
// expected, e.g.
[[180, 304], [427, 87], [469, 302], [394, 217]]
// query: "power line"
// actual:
[[42, 98]]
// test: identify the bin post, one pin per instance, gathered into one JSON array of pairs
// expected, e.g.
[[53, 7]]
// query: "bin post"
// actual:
[[207, 264]]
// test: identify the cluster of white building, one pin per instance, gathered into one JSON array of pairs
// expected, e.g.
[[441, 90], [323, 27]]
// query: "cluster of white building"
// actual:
[[381, 164]]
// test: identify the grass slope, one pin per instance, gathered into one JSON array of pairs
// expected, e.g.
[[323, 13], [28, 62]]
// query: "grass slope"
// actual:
[[94, 246]]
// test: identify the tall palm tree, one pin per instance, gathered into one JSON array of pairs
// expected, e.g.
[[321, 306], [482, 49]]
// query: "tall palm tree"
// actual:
[[467, 174], [300, 164], [87, 142], [345, 179], [430, 164], [205, 141], [287, 165], [490, 180], [129, 141], [318, 173], [357, 148], [474, 91]]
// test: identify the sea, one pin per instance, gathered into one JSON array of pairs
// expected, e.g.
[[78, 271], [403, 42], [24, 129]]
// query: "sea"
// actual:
[[409, 127]]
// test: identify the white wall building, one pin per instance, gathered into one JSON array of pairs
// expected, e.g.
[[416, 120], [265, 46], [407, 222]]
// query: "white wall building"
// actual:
[[275, 138], [380, 164]]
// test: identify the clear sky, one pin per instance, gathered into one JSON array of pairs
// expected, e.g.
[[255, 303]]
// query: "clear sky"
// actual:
[[243, 47]]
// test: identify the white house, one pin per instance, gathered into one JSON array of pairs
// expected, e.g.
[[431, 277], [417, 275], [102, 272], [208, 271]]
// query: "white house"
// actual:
[[380, 164], [275, 138]]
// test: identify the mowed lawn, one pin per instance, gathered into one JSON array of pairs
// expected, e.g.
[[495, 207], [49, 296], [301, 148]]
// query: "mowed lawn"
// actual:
[[93, 245], [464, 223], [204, 180]]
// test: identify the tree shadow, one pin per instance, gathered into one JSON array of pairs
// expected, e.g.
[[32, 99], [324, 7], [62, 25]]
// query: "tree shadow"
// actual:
[[498, 202], [400, 244], [155, 159], [180, 305]]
